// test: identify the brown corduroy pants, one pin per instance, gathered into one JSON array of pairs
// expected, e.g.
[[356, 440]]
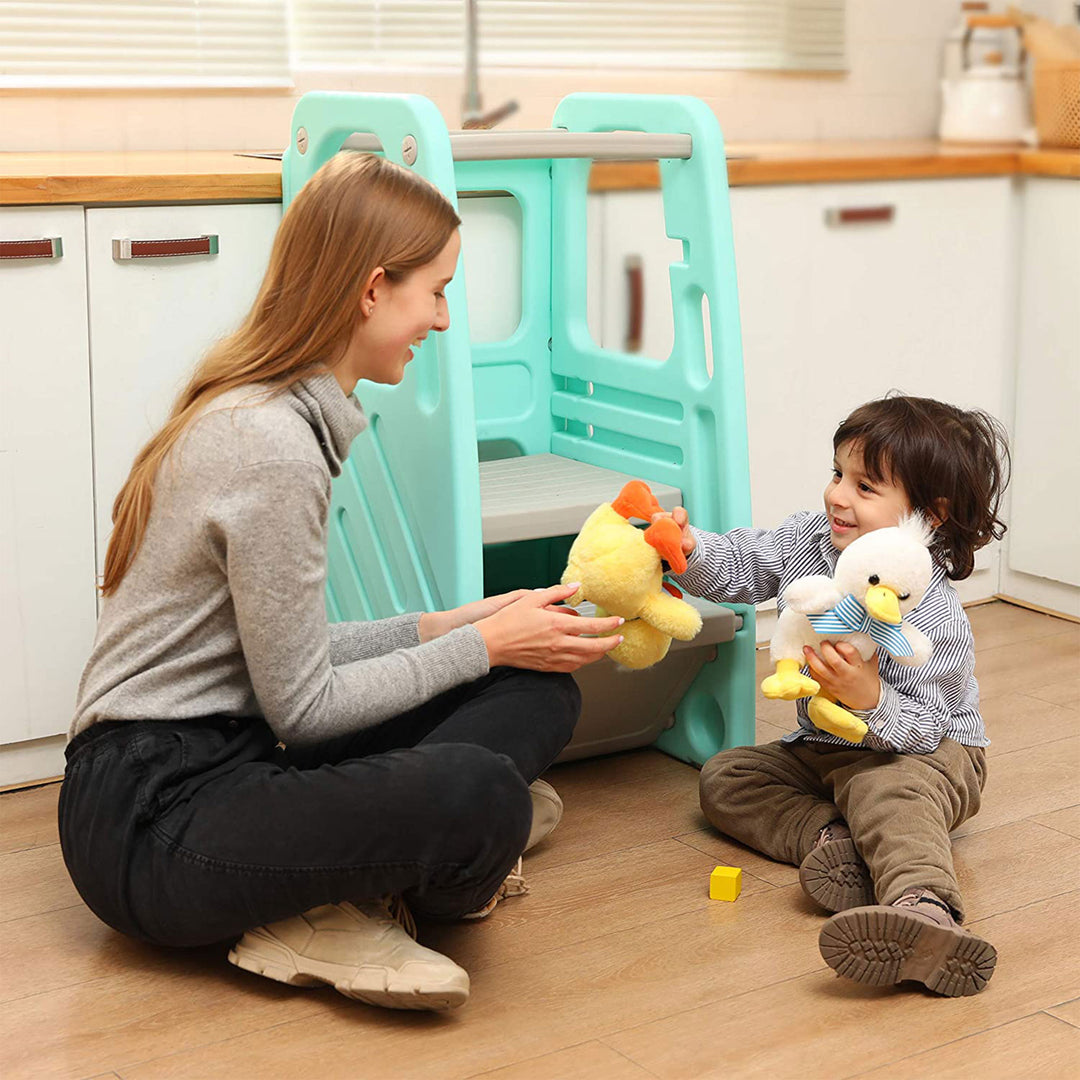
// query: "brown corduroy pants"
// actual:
[[900, 808]]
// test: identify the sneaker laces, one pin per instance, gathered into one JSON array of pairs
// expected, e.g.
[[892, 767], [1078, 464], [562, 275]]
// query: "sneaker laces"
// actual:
[[514, 882], [512, 885], [396, 908]]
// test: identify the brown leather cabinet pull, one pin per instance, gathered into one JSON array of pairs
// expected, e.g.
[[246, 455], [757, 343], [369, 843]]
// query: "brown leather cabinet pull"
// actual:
[[46, 248], [123, 250]]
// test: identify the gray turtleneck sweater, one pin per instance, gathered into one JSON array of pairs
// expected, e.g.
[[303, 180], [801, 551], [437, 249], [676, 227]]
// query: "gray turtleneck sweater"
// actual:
[[222, 613]]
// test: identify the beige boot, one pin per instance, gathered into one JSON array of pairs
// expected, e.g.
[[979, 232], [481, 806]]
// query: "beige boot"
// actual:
[[914, 938], [833, 873]]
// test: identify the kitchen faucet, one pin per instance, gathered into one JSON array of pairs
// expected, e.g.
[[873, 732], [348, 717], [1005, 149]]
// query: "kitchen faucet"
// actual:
[[473, 115]]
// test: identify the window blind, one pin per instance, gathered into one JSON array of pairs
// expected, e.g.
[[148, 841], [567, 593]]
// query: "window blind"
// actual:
[[366, 34], [256, 42], [144, 43], [708, 34]]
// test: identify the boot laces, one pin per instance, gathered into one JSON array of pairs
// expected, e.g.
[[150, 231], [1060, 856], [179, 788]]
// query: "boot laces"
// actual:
[[835, 830], [922, 896]]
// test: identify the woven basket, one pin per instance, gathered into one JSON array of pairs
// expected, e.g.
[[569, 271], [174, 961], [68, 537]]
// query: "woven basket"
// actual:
[[1056, 87]]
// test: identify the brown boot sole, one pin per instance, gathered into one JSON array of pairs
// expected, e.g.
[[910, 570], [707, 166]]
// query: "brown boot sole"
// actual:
[[881, 946], [835, 876]]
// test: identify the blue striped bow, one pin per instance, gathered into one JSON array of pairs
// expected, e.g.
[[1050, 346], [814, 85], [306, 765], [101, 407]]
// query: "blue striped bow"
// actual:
[[849, 616]]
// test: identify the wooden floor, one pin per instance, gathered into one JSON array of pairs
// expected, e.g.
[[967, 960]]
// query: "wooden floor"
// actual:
[[616, 965]]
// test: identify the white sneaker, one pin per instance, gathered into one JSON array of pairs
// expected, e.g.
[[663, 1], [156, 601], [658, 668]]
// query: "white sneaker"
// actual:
[[513, 885], [547, 811], [362, 950]]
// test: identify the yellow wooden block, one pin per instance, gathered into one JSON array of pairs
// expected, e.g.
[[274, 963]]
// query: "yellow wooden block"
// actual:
[[725, 883]]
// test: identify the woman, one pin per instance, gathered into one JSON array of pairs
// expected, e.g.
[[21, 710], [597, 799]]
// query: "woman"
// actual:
[[237, 766]]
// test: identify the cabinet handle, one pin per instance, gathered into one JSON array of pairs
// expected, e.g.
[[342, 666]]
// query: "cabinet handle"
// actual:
[[122, 250], [50, 248], [858, 215], [635, 308]]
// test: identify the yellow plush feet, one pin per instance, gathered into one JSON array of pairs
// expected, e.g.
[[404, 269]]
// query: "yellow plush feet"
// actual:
[[643, 645], [788, 683], [836, 720]]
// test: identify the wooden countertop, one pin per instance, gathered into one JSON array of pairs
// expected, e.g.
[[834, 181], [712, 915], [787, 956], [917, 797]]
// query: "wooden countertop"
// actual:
[[819, 162], [218, 175], [136, 176]]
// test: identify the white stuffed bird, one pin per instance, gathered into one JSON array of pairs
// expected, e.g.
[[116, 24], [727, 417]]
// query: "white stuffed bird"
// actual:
[[878, 579]]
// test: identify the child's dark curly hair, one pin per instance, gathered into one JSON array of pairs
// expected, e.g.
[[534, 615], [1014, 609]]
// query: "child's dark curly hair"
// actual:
[[952, 464]]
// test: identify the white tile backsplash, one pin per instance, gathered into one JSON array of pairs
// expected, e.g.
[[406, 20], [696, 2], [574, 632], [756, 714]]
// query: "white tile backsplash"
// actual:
[[891, 91]]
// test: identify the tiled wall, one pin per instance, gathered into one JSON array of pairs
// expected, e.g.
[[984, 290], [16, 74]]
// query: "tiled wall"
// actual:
[[891, 91]]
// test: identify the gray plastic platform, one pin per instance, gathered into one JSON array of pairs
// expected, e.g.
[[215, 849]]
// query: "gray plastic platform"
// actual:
[[718, 623], [528, 498], [623, 709], [543, 495]]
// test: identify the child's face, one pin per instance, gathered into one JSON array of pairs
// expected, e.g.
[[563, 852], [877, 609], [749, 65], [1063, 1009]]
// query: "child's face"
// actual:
[[855, 504]]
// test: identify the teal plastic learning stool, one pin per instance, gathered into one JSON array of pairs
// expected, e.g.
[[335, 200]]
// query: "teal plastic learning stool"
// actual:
[[477, 470]]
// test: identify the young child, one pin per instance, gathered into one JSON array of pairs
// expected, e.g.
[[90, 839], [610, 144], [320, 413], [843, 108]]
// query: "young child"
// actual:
[[871, 821]]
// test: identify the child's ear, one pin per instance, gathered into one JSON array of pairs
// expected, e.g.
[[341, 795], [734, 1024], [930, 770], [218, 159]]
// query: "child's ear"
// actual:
[[938, 513]]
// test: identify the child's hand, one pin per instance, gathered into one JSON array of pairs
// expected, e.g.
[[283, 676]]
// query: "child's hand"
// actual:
[[845, 675], [681, 518]]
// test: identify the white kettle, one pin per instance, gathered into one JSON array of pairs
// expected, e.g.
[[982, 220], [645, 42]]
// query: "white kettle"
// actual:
[[987, 102]]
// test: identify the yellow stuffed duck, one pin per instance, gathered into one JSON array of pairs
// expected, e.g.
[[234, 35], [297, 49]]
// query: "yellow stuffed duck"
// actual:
[[878, 579], [621, 570]]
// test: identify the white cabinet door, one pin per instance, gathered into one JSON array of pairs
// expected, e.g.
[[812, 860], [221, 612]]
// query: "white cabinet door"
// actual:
[[914, 294], [1044, 537], [152, 319], [491, 260], [635, 290], [917, 299], [47, 609]]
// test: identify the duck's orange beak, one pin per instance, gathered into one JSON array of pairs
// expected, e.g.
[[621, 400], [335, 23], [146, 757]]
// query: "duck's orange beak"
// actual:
[[666, 537], [636, 500]]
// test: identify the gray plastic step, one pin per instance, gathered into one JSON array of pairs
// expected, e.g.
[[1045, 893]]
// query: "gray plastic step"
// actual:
[[718, 623], [539, 495], [623, 709]]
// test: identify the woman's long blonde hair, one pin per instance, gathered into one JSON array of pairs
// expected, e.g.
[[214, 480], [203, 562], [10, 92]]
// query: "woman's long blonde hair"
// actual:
[[358, 212]]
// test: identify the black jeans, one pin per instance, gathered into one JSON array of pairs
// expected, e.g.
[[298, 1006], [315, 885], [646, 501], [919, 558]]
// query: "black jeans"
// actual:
[[191, 832]]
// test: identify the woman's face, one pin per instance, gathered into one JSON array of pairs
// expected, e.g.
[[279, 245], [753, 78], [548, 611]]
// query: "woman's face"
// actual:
[[395, 317]]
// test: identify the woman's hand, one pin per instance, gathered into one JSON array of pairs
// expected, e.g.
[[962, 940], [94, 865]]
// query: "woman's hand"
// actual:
[[528, 632], [682, 519], [434, 624], [845, 675]]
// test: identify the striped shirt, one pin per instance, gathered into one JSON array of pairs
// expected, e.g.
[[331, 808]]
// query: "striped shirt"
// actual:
[[919, 706]]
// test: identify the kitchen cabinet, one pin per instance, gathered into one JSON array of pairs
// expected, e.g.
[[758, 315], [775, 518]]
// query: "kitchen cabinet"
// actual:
[[1042, 550], [917, 287], [491, 255], [845, 292], [47, 608], [94, 347], [152, 318]]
